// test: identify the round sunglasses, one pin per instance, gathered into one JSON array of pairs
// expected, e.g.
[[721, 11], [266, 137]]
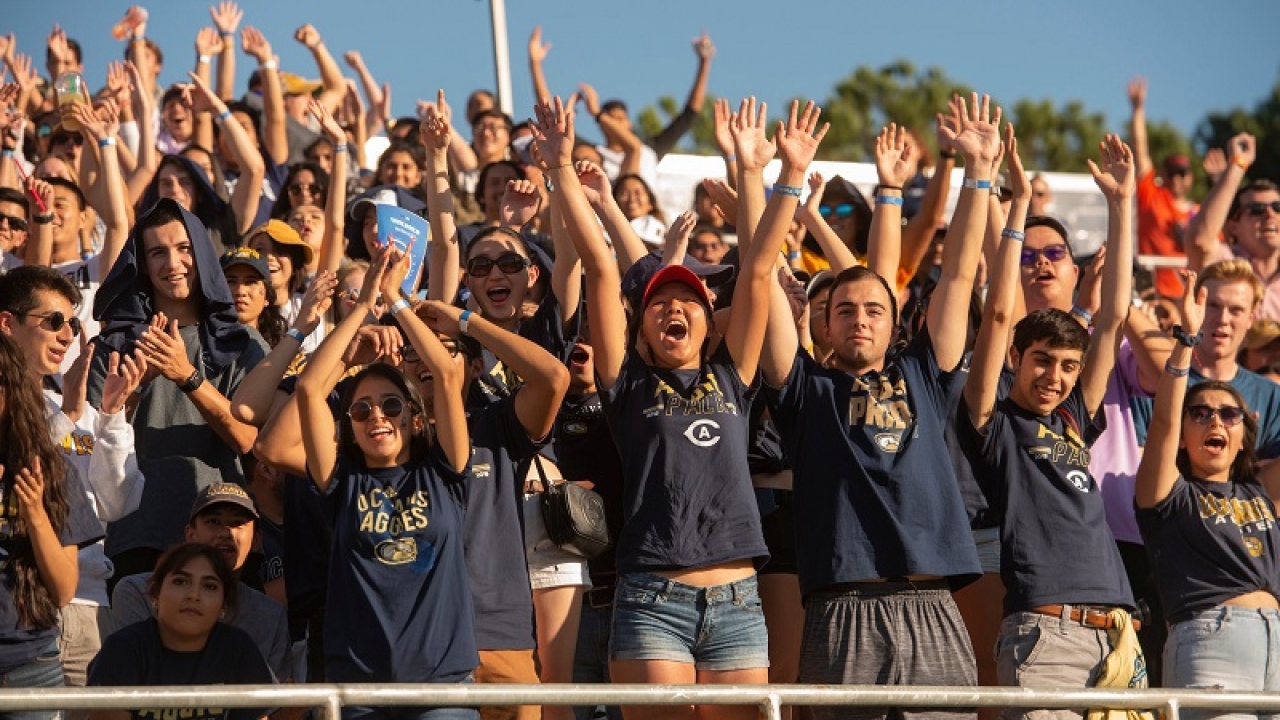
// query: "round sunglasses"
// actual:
[[55, 320], [391, 407]]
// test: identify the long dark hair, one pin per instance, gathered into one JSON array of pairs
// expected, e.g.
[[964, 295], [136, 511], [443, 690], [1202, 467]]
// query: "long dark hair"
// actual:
[[420, 440], [271, 323], [1245, 465], [177, 557], [24, 437]]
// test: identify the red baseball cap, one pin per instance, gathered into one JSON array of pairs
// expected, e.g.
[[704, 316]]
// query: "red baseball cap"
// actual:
[[677, 274]]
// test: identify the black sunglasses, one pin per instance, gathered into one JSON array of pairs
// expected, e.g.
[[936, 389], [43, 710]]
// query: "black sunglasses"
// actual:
[[15, 223], [511, 263], [840, 211], [55, 320], [1228, 414], [391, 407], [61, 138], [298, 188], [1259, 209], [1053, 253]]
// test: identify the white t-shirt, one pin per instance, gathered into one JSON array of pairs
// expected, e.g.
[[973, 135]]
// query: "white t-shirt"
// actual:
[[84, 274], [290, 311], [613, 164]]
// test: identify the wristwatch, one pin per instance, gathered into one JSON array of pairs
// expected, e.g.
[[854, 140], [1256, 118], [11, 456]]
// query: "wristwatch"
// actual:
[[192, 383], [1188, 340]]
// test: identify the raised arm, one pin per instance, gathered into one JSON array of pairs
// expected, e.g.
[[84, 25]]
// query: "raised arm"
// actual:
[[1116, 180], [997, 317], [335, 86], [917, 235], [628, 248], [537, 53], [444, 272], [275, 139], [665, 141], [336, 204], [521, 201], [1138, 125], [372, 92], [553, 131], [103, 129], [1205, 226], [895, 164], [676, 243], [796, 141], [148, 156], [248, 192], [810, 215], [978, 140], [208, 44], [226, 16], [1158, 469], [724, 140]]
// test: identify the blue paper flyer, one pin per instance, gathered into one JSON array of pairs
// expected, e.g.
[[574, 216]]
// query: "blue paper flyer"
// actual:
[[406, 230]]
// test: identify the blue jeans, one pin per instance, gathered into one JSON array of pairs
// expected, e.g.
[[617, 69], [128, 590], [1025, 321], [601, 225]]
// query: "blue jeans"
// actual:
[[45, 671], [1232, 648], [715, 628], [591, 658]]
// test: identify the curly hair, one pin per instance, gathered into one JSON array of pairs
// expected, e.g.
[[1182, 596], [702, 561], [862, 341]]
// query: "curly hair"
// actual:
[[24, 439]]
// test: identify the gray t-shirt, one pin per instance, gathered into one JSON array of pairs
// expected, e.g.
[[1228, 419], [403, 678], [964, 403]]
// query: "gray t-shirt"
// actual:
[[263, 618], [175, 446]]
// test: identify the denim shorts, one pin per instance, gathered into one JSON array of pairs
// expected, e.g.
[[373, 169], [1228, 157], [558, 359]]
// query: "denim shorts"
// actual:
[[715, 628], [1224, 648]]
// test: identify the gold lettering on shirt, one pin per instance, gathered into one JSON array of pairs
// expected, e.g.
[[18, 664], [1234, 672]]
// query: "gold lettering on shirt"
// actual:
[[78, 443], [880, 405], [382, 512], [705, 399], [1250, 514]]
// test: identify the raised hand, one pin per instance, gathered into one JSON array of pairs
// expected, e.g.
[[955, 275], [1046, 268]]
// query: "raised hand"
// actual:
[[57, 44], [1243, 149], [595, 183], [553, 132], [384, 107], [123, 377], [944, 131], [974, 130], [723, 115], [1115, 177], [441, 317], [316, 301], [24, 74], [28, 486], [1138, 92], [353, 59], [41, 189], [75, 381], [208, 41], [328, 124], [817, 188], [255, 44], [678, 233], [162, 346], [199, 96], [397, 269], [895, 156], [99, 125], [8, 45], [1089, 292], [433, 131], [226, 16], [118, 83], [703, 46], [537, 49], [722, 196], [754, 150], [798, 138], [520, 203], [1214, 164], [1192, 303], [308, 36], [591, 98], [1019, 182]]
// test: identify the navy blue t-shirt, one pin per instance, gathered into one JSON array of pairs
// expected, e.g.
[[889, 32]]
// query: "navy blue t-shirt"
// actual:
[[308, 535], [399, 607], [1055, 546], [1210, 542], [874, 489], [547, 330], [20, 644], [682, 437], [134, 655], [585, 450], [499, 576]]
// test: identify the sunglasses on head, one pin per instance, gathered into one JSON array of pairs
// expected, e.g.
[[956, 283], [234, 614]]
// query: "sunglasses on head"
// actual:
[[61, 138], [298, 188], [14, 223], [55, 320], [1203, 414], [391, 407], [1259, 209], [510, 264], [1053, 253], [840, 211]]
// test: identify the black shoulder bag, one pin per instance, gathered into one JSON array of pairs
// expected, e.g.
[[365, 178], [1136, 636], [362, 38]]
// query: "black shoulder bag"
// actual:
[[574, 516]]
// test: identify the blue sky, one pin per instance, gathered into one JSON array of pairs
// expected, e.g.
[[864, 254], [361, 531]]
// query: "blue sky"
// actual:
[[1198, 56]]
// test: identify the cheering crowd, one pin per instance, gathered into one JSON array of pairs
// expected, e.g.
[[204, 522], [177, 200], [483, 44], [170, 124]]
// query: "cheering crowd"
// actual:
[[249, 434]]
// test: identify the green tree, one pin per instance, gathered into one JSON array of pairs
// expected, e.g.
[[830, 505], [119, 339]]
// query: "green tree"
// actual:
[[1263, 122]]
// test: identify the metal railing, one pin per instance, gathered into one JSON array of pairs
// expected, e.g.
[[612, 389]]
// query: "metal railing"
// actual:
[[770, 698]]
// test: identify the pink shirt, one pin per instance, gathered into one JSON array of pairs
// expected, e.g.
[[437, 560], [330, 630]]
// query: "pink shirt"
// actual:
[[1115, 454]]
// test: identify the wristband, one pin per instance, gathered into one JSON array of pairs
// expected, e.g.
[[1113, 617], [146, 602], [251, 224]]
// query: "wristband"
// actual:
[[44, 219], [793, 255], [86, 254], [948, 154], [792, 190], [139, 36], [340, 148], [192, 383], [204, 60], [1081, 313], [1016, 235], [1240, 163], [887, 187], [1176, 371], [975, 184], [268, 65], [227, 33], [296, 334], [463, 321], [398, 305], [1182, 337], [222, 116], [106, 142], [889, 200], [6, 153], [731, 157]]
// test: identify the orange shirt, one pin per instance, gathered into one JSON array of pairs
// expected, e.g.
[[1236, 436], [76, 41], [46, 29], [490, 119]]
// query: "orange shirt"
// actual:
[[1161, 224]]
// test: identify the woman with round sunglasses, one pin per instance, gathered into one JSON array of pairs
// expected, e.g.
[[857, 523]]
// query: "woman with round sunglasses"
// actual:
[[1208, 519], [399, 604]]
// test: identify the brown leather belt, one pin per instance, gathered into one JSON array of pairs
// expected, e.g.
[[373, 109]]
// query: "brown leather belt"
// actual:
[[1086, 616]]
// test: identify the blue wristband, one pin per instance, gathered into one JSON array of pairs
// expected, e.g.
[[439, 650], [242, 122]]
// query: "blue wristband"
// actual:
[[296, 334], [1013, 234], [888, 200], [792, 190], [793, 255], [977, 184], [1081, 313], [7, 153], [463, 321], [222, 116], [106, 142], [340, 148], [86, 254]]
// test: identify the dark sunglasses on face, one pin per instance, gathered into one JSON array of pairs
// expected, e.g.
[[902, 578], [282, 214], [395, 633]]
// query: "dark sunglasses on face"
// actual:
[[55, 320], [510, 264], [77, 140], [391, 407], [1203, 414], [1053, 253], [1259, 209], [840, 211], [299, 188], [14, 223]]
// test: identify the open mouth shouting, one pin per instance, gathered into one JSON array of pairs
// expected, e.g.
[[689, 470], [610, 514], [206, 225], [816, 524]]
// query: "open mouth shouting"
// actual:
[[1216, 444]]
